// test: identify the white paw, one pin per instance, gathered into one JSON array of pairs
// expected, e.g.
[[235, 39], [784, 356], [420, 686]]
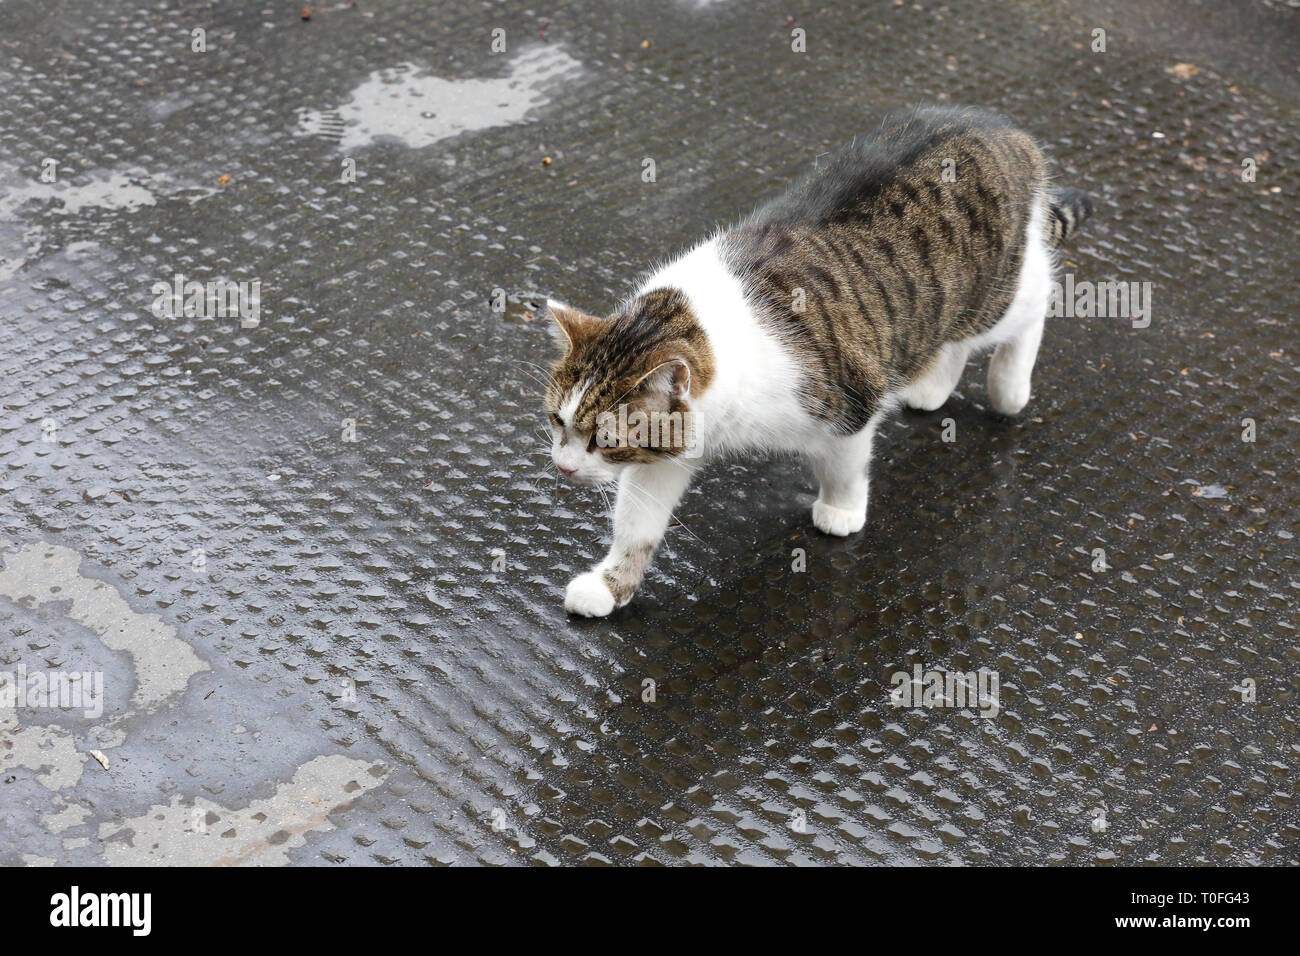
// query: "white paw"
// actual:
[[1008, 397], [925, 397], [838, 521], [588, 595]]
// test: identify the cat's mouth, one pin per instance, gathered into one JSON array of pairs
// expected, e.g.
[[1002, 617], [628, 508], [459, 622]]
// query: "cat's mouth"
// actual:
[[587, 479], [587, 474]]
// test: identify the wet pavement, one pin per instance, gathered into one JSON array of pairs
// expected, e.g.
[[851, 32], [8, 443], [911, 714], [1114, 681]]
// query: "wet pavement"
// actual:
[[316, 563]]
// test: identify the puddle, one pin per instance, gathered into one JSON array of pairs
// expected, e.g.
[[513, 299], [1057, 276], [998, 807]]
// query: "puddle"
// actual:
[[28, 241], [404, 103], [49, 752], [205, 833], [1208, 491], [101, 190], [74, 194], [163, 663]]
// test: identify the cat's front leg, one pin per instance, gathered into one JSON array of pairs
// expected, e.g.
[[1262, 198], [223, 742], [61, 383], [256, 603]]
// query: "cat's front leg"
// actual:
[[841, 465], [647, 495]]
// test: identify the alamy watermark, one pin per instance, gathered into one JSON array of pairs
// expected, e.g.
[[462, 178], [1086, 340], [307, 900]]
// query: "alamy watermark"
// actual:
[[130, 910], [976, 690], [640, 429], [214, 299], [1110, 299], [64, 690]]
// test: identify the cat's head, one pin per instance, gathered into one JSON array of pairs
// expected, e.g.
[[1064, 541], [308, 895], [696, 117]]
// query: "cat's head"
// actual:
[[621, 393]]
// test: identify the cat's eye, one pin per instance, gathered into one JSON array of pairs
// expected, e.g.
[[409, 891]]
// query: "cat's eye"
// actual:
[[556, 420], [591, 445]]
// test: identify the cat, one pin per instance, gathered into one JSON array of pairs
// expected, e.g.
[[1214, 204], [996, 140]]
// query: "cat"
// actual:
[[866, 286]]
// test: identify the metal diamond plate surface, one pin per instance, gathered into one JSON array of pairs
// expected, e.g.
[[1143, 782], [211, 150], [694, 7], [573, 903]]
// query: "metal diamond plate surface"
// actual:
[[318, 564]]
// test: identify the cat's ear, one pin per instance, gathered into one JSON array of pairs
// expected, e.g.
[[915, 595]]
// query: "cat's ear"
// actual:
[[672, 377], [571, 325]]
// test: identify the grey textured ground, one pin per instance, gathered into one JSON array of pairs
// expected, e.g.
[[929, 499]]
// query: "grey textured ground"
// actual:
[[315, 650]]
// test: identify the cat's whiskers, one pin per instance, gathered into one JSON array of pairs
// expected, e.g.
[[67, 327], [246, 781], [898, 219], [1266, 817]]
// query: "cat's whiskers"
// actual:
[[541, 368], [533, 365], [540, 380], [547, 471]]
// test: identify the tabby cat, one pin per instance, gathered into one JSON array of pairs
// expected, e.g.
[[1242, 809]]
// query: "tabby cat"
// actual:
[[866, 285]]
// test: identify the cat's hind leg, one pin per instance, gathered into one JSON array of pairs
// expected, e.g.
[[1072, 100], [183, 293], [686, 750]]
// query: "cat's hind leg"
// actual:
[[933, 386], [1011, 369], [841, 466], [1020, 330]]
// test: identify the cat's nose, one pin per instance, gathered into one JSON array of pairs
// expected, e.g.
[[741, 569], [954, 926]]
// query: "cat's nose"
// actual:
[[565, 471]]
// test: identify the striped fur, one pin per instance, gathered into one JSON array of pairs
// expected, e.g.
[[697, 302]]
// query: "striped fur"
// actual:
[[866, 285], [615, 360], [1068, 208], [907, 239]]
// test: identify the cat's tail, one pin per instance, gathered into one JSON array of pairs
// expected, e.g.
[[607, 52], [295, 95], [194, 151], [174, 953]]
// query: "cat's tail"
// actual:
[[1067, 209]]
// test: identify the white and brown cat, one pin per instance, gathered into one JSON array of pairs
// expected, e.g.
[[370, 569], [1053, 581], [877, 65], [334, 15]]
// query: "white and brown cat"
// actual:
[[866, 285]]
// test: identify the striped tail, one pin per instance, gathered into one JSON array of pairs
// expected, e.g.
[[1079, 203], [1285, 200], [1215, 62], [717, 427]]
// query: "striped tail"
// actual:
[[1068, 208]]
